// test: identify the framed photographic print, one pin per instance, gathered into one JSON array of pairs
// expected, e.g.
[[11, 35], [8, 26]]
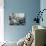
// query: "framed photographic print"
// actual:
[[17, 19]]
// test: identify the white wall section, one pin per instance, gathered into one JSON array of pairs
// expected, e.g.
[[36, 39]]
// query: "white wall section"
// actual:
[[1, 20]]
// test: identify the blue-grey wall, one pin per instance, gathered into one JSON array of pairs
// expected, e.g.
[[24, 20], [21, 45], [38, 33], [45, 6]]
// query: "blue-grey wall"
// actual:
[[29, 7], [43, 6]]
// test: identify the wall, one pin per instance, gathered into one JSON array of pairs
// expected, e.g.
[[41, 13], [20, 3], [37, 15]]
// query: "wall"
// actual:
[[29, 7], [1, 21], [43, 6]]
